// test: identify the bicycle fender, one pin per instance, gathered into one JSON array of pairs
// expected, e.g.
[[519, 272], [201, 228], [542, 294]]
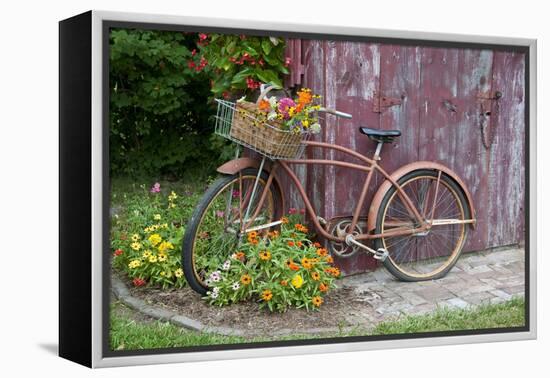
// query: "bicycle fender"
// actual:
[[402, 171], [234, 166]]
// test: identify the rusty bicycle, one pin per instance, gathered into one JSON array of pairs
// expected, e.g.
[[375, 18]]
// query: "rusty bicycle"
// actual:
[[416, 224]]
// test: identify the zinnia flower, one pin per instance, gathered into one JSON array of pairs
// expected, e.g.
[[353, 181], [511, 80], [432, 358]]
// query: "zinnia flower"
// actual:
[[267, 295], [315, 276], [265, 255], [323, 287], [297, 281], [139, 282], [246, 279], [317, 301], [118, 252], [178, 273]]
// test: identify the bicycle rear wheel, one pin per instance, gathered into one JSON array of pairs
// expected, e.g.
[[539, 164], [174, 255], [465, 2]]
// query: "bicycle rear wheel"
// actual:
[[213, 232], [431, 254]]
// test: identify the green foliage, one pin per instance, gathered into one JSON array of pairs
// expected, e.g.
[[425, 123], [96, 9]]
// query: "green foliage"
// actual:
[[281, 270], [159, 114], [238, 64], [146, 233]]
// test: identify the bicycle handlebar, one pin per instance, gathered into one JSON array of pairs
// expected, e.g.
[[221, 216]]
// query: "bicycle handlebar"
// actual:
[[336, 113]]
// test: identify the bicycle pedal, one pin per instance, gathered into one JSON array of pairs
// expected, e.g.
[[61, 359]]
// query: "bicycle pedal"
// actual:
[[381, 254]]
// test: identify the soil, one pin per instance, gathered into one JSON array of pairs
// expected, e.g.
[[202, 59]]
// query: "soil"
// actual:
[[342, 309]]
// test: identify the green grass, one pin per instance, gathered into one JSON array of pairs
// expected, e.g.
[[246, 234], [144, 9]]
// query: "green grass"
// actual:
[[130, 333]]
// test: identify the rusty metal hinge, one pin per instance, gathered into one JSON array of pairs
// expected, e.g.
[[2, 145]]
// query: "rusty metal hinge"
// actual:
[[381, 103]]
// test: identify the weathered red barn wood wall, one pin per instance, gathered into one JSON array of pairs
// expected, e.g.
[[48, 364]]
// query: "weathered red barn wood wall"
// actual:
[[442, 93]]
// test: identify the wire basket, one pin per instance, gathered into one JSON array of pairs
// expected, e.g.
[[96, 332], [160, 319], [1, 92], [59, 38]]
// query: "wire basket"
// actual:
[[239, 122]]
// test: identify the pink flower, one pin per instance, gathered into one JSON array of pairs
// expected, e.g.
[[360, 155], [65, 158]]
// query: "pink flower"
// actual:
[[202, 36], [235, 194], [302, 211], [219, 213], [292, 211], [287, 61], [155, 188], [193, 52], [284, 104]]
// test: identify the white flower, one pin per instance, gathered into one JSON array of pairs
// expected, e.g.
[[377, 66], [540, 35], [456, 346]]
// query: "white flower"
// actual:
[[234, 256], [315, 128], [272, 101], [274, 40], [208, 282], [226, 265], [214, 295], [236, 286], [271, 116], [216, 290]]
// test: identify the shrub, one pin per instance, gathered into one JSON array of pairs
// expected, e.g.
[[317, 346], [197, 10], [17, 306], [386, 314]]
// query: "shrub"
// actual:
[[238, 64], [280, 270]]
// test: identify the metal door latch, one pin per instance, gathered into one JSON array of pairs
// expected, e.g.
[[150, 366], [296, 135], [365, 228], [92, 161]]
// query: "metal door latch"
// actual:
[[381, 102]]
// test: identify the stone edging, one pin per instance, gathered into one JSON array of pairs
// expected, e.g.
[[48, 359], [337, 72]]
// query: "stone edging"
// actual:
[[122, 293]]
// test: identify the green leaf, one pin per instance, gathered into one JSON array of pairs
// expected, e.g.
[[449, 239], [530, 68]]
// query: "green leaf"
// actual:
[[266, 46]]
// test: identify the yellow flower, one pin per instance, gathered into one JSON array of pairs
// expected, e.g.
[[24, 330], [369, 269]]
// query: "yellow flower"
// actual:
[[147, 229], [156, 217], [135, 237], [246, 279], [164, 225], [162, 257], [155, 239], [147, 253], [152, 259], [134, 264], [162, 274], [136, 246], [154, 227], [265, 255], [172, 196], [315, 276], [178, 273], [171, 205], [297, 281], [165, 246]]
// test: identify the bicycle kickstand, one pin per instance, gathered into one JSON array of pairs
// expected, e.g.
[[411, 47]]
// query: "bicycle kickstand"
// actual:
[[380, 254]]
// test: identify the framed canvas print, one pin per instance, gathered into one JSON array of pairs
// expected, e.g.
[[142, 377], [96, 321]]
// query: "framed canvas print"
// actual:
[[231, 189]]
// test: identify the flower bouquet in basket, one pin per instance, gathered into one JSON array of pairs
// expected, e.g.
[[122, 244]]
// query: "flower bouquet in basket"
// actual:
[[276, 127]]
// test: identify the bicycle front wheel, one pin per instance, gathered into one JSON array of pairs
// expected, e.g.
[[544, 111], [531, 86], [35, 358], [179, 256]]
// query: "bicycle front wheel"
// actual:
[[431, 254], [213, 232]]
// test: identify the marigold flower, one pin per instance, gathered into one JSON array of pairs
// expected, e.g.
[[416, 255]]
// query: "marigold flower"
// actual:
[[323, 287], [246, 279], [267, 295], [265, 255], [315, 276], [317, 301], [297, 281]]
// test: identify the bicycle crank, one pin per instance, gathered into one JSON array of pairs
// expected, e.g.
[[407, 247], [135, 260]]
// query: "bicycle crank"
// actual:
[[380, 254]]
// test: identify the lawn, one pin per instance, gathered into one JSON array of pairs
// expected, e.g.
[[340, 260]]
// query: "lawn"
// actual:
[[130, 331]]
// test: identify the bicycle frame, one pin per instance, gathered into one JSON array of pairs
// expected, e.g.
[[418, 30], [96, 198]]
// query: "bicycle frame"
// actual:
[[368, 165]]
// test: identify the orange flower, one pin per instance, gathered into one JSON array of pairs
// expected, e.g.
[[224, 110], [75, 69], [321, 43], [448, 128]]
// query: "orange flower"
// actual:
[[239, 256], [264, 105], [284, 220], [290, 243], [322, 252], [284, 283], [273, 234], [301, 228], [317, 301], [315, 276], [265, 255], [323, 287], [291, 265], [246, 279], [306, 263], [252, 234], [317, 245], [329, 259], [304, 96], [335, 272], [299, 244], [267, 295]]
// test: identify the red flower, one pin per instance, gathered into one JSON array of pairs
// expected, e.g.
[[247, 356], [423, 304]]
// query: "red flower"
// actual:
[[287, 61], [202, 36], [118, 252], [191, 64], [251, 83], [292, 210], [139, 282], [193, 52]]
